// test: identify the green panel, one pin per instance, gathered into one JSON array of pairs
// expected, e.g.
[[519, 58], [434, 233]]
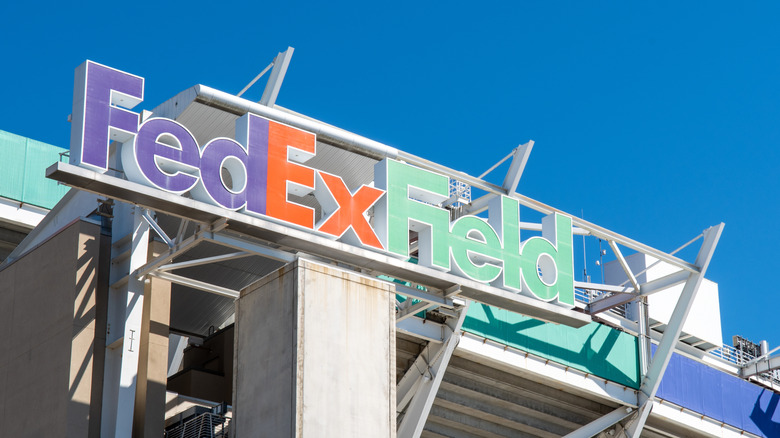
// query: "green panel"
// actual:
[[595, 348], [23, 176], [39, 190], [13, 148]]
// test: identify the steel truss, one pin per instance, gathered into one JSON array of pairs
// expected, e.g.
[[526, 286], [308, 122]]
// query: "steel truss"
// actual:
[[447, 294]]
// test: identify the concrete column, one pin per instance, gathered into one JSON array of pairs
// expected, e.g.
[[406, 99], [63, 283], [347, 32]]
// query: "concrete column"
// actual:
[[315, 355], [149, 412]]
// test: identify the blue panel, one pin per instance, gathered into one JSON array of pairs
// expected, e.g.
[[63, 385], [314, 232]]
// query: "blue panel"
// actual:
[[711, 386], [721, 396]]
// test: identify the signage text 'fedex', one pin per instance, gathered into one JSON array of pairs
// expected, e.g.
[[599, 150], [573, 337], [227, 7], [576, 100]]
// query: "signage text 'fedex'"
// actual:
[[256, 173]]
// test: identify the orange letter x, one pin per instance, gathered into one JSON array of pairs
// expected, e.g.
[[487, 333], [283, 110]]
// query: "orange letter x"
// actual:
[[342, 210]]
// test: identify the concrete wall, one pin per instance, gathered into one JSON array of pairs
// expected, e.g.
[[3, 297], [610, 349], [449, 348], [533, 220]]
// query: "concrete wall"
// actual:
[[51, 338], [315, 355]]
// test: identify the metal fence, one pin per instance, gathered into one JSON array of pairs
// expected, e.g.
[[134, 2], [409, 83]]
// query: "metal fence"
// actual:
[[207, 425], [740, 358]]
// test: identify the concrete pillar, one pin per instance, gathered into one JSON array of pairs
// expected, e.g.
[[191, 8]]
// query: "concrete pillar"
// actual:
[[149, 412], [315, 355]]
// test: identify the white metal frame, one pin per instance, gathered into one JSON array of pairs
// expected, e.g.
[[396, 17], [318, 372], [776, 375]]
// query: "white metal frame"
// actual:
[[442, 337]]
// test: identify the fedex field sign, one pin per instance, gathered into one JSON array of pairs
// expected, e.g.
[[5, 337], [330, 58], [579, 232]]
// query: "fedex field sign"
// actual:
[[256, 173]]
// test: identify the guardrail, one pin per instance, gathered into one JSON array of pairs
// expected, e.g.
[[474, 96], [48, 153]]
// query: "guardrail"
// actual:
[[740, 358], [207, 425]]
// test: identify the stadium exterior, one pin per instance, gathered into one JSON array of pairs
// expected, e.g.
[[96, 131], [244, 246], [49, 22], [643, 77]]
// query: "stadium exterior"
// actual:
[[220, 267]]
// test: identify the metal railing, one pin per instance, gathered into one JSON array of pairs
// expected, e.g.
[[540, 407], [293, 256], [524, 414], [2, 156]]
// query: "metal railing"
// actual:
[[740, 358], [207, 425]]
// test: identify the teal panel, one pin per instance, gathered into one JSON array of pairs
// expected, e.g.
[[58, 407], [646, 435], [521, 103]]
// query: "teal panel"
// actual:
[[23, 174], [595, 348], [39, 190], [13, 148]]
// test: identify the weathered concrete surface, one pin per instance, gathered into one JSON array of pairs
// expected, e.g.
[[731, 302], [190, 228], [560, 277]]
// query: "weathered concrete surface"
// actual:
[[53, 336], [314, 356]]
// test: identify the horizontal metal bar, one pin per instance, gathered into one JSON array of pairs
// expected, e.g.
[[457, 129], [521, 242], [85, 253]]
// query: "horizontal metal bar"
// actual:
[[204, 261], [423, 295], [169, 255], [663, 283], [423, 329], [413, 310], [602, 287], [255, 248], [608, 302], [196, 284]]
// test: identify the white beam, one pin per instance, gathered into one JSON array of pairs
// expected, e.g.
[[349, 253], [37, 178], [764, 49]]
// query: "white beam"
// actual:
[[663, 283], [416, 413], [412, 310], [761, 366], [427, 296], [124, 318], [608, 302], [196, 284], [255, 248], [601, 423], [281, 62], [157, 229], [663, 353], [204, 261], [515, 172], [418, 372], [623, 264], [423, 329], [603, 287]]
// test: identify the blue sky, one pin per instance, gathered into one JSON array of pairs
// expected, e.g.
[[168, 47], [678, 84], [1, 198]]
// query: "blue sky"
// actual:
[[654, 120]]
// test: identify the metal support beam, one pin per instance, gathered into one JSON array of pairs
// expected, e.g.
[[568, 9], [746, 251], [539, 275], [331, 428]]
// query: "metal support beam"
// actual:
[[166, 257], [603, 287], [183, 224], [423, 329], [281, 62], [602, 423], [412, 310], [519, 160], [416, 413], [763, 365], [252, 82], [623, 264], [608, 302], [669, 340], [157, 229], [427, 296], [254, 248], [418, 372], [644, 335], [663, 283], [196, 284], [204, 261], [124, 324]]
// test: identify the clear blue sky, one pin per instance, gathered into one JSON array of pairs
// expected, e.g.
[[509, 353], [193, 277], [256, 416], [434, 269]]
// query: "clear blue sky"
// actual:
[[656, 120]]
